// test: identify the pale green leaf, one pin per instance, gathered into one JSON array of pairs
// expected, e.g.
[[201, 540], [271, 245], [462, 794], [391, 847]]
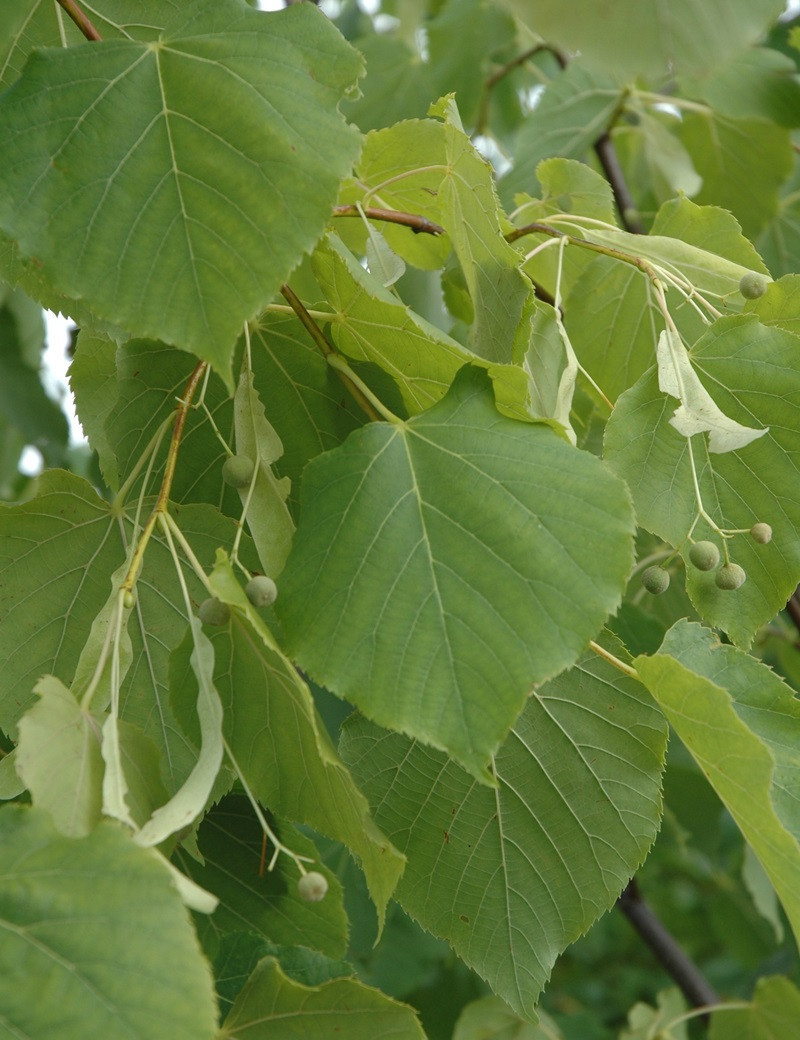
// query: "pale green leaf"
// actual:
[[742, 725], [98, 922], [58, 757], [10, 783], [762, 892], [233, 865], [646, 1022], [397, 84], [653, 37], [230, 123], [669, 163], [780, 304], [779, 242], [268, 518], [189, 801], [382, 261], [753, 374], [279, 741], [472, 217], [490, 1018], [272, 1007], [444, 565], [403, 165], [697, 412], [510, 876], [773, 1015]]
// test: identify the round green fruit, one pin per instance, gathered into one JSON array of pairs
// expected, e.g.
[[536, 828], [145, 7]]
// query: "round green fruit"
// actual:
[[128, 599], [237, 471], [730, 577], [261, 591], [704, 556], [761, 533], [214, 612], [752, 285], [655, 580], [312, 886]]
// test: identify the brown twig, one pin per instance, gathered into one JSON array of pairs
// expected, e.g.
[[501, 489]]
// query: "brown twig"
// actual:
[[418, 224], [607, 154], [81, 20], [676, 962]]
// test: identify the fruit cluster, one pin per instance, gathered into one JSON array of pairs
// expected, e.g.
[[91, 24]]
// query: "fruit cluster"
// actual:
[[705, 556]]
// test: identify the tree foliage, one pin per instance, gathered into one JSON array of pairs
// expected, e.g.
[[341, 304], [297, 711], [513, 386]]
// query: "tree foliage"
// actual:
[[441, 378]]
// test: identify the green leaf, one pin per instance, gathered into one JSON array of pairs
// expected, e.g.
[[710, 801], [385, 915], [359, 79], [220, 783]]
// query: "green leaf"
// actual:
[[97, 921], [59, 758], [652, 37], [645, 1022], [490, 1018], [575, 109], [742, 725], [471, 215], [22, 398], [309, 407], [753, 373], [444, 565], [254, 898], [279, 741], [58, 553], [226, 131], [404, 165], [10, 783], [273, 1007], [93, 382], [779, 242], [756, 82], [615, 338], [38, 23], [268, 518], [743, 163], [775, 1012], [510, 876], [396, 86]]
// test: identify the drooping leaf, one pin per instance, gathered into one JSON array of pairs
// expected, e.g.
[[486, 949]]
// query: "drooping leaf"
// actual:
[[433, 573], [511, 876], [226, 131], [268, 518], [279, 741], [756, 82], [471, 216], [742, 725], [59, 758], [271, 1006], [652, 37], [234, 867], [98, 922], [752, 372], [490, 1018]]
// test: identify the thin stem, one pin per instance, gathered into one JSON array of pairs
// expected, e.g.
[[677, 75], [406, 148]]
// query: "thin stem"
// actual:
[[705, 1010], [319, 338], [284, 308], [680, 967], [337, 362], [438, 167], [180, 538], [268, 831], [81, 20], [149, 454], [417, 223], [169, 475], [612, 659]]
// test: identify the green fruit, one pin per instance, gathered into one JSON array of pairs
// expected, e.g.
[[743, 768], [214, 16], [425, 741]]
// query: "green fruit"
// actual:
[[128, 599], [312, 887], [704, 556], [761, 533], [237, 471], [730, 577], [214, 612], [261, 591], [752, 285], [655, 580]]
